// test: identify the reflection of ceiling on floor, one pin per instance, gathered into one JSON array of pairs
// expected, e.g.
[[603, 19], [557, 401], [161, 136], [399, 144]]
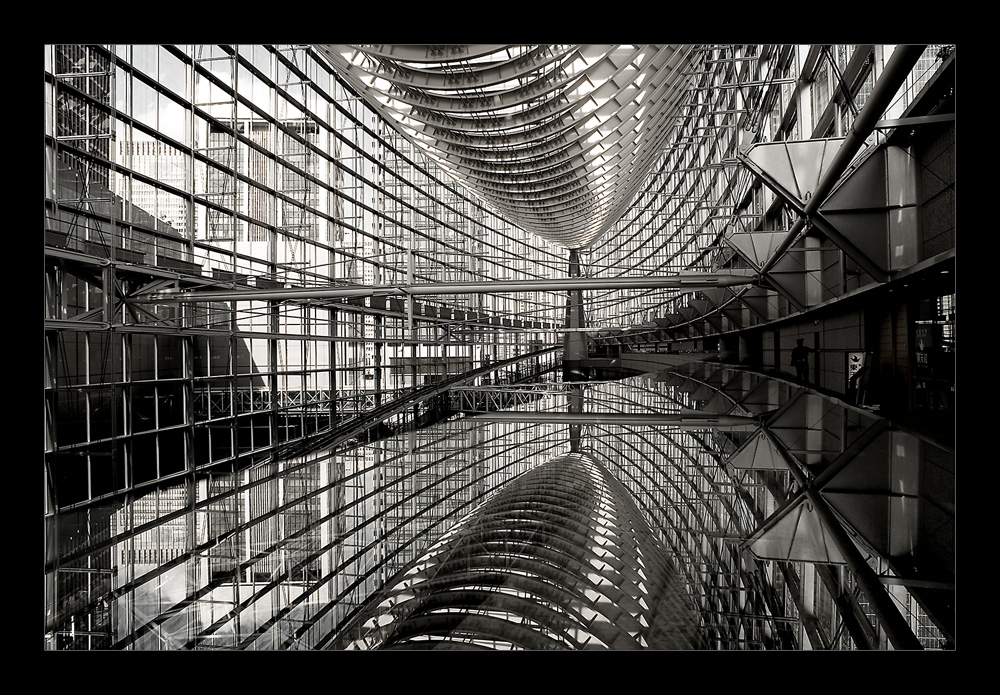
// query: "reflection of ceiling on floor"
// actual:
[[561, 558]]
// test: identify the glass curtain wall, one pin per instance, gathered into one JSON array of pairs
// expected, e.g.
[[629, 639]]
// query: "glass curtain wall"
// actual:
[[172, 495], [699, 194]]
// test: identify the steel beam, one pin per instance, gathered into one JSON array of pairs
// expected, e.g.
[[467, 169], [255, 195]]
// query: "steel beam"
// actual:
[[913, 121], [634, 419], [685, 281]]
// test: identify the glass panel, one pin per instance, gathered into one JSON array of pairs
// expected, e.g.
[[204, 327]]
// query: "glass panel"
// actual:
[[173, 73], [144, 103], [144, 58]]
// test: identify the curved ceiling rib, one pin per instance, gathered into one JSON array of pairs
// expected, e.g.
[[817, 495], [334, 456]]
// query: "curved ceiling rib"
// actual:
[[555, 137], [560, 558]]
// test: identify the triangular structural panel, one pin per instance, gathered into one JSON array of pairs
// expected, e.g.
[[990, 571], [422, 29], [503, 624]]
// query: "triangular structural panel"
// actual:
[[714, 323], [871, 206], [800, 274], [763, 397], [789, 276], [718, 403], [718, 374], [858, 210], [756, 247], [794, 168], [868, 230], [812, 430], [700, 305], [700, 392], [717, 295], [671, 379], [759, 454], [878, 493], [738, 382], [798, 535], [888, 523], [730, 306], [737, 385], [762, 302], [741, 411]]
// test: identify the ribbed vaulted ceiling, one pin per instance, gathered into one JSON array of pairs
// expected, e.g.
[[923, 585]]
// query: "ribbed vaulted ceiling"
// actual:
[[561, 558], [556, 138]]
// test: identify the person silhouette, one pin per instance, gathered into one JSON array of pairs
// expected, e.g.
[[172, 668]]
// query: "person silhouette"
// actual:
[[800, 359]]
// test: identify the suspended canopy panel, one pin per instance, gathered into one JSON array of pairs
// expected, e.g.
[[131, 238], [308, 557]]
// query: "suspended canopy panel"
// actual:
[[793, 168], [799, 535], [879, 493], [763, 397], [875, 209], [813, 430], [756, 247], [807, 274], [759, 454]]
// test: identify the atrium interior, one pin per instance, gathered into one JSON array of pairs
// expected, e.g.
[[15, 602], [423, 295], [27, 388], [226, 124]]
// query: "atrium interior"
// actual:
[[532, 347]]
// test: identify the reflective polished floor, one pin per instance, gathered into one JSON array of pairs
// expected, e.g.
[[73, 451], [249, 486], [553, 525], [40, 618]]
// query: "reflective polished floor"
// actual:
[[752, 501]]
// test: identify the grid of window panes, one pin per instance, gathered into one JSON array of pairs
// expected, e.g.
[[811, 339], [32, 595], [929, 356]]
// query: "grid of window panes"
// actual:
[[250, 165], [232, 167], [237, 166]]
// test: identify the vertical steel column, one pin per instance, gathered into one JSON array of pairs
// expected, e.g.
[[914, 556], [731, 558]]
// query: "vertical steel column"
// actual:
[[409, 282], [574, 342], [274, 414], [574, 352], [334, 332], [377, 358]]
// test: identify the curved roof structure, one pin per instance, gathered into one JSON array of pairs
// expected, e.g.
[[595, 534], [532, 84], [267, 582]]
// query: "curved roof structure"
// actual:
[[556, 138]]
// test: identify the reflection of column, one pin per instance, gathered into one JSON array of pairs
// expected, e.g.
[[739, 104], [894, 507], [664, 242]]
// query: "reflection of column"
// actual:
[[575, 398], [729, 349], [574, 343]]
